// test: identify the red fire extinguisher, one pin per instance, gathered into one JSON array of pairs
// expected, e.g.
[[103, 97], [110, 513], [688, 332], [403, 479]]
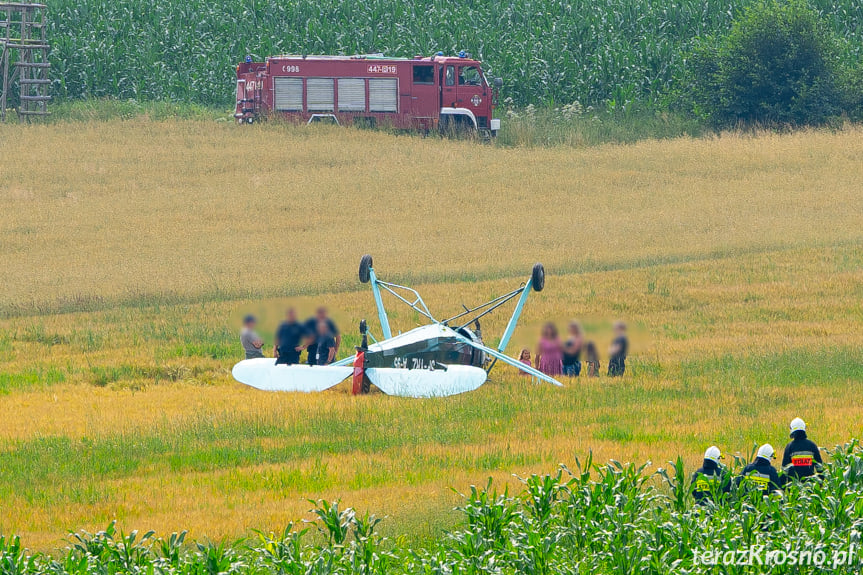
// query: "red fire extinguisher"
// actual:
[[359, 373]]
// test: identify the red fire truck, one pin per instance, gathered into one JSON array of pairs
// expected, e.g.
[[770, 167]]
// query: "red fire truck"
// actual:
[[436, 93]]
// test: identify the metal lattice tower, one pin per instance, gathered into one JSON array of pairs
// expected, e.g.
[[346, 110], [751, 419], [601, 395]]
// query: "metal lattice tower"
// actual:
[[24, 59]]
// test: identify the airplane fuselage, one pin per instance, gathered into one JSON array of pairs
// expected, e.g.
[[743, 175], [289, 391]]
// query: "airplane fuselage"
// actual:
[[428, 347]]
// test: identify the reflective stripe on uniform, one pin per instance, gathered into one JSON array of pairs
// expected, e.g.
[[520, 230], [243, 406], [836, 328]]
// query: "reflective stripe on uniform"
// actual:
[[706, 482], [802, 459], [759, 481]]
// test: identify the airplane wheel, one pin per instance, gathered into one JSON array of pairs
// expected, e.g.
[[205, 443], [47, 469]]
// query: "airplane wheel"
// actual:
[[538, 277], [365, 268]]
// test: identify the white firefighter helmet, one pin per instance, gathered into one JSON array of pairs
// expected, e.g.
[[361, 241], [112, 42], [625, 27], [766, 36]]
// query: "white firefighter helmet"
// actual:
[[713, 454], [766, 451], [797, 424]]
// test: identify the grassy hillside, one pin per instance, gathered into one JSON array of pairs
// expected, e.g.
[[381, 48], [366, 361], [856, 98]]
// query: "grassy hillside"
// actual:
[[735, 260], [593, 51], [139, 212]]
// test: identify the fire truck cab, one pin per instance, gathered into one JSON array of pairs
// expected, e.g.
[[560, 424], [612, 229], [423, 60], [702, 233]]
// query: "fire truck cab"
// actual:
[[436, 93]]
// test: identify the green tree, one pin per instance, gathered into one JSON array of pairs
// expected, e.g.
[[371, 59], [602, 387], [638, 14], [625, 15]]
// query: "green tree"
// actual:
[[778, 65]]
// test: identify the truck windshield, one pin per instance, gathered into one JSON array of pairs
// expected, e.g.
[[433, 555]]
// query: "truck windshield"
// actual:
[[469, 76]]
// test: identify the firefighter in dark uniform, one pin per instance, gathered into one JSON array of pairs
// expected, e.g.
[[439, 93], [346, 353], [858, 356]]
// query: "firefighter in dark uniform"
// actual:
[[710, 478], [802, 457], [760, 475]]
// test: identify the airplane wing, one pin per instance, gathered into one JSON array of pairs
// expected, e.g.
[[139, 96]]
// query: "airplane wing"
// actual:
[[346, 361], [506, 359], [425, 383], [263, 373]]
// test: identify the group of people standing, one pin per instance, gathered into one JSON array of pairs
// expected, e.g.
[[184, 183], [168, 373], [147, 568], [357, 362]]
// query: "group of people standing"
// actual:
[[556, 357], [801, 460], [318, 336]]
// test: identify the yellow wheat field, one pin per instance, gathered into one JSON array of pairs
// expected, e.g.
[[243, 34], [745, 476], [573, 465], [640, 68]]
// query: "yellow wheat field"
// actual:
[[131, 254], [115, 211]]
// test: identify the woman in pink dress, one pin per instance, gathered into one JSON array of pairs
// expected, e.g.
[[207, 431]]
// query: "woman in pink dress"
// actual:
[[549, 353]]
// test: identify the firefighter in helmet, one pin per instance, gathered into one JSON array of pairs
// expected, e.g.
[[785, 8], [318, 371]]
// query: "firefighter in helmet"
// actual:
[[760, 475], [802, 457], [710, 478]]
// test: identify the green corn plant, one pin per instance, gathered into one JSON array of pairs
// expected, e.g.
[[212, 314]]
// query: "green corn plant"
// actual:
[[282, 554], [220, 558], [130, 552], [677, 484], [489, 515], [13, 560], [332, 523], [171, 549], [365, 554], [94, 544], [599, 52], [542, 495]]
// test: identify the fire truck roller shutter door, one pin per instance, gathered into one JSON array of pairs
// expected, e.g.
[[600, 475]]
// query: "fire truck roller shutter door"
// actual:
[[383, 95], [320, 95], [352, 95], [288, 94]]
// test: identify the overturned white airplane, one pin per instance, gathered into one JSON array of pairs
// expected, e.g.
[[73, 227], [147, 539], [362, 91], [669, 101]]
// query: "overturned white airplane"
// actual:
[[442, 358]]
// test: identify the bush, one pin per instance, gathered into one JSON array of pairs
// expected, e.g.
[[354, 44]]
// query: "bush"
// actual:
[[778, 65], [851, 84]]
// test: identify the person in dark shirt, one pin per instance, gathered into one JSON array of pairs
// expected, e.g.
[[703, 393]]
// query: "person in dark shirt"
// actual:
[[711, 478], [312, 330], [802, 457], [572, 351], [326, 344], [289, 340], [619, 349], [760, 474]]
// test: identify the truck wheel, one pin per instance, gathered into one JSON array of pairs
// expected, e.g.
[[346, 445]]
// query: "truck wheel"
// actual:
[[457, 127], [365, 268], [537, 277], [468, 132]]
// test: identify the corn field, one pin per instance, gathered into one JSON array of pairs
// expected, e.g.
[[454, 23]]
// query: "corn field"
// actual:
[[597, 519], [610, 52]]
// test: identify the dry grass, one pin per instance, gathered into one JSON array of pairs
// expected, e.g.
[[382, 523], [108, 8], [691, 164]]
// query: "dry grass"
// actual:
[[133, 210], [736, 261]]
